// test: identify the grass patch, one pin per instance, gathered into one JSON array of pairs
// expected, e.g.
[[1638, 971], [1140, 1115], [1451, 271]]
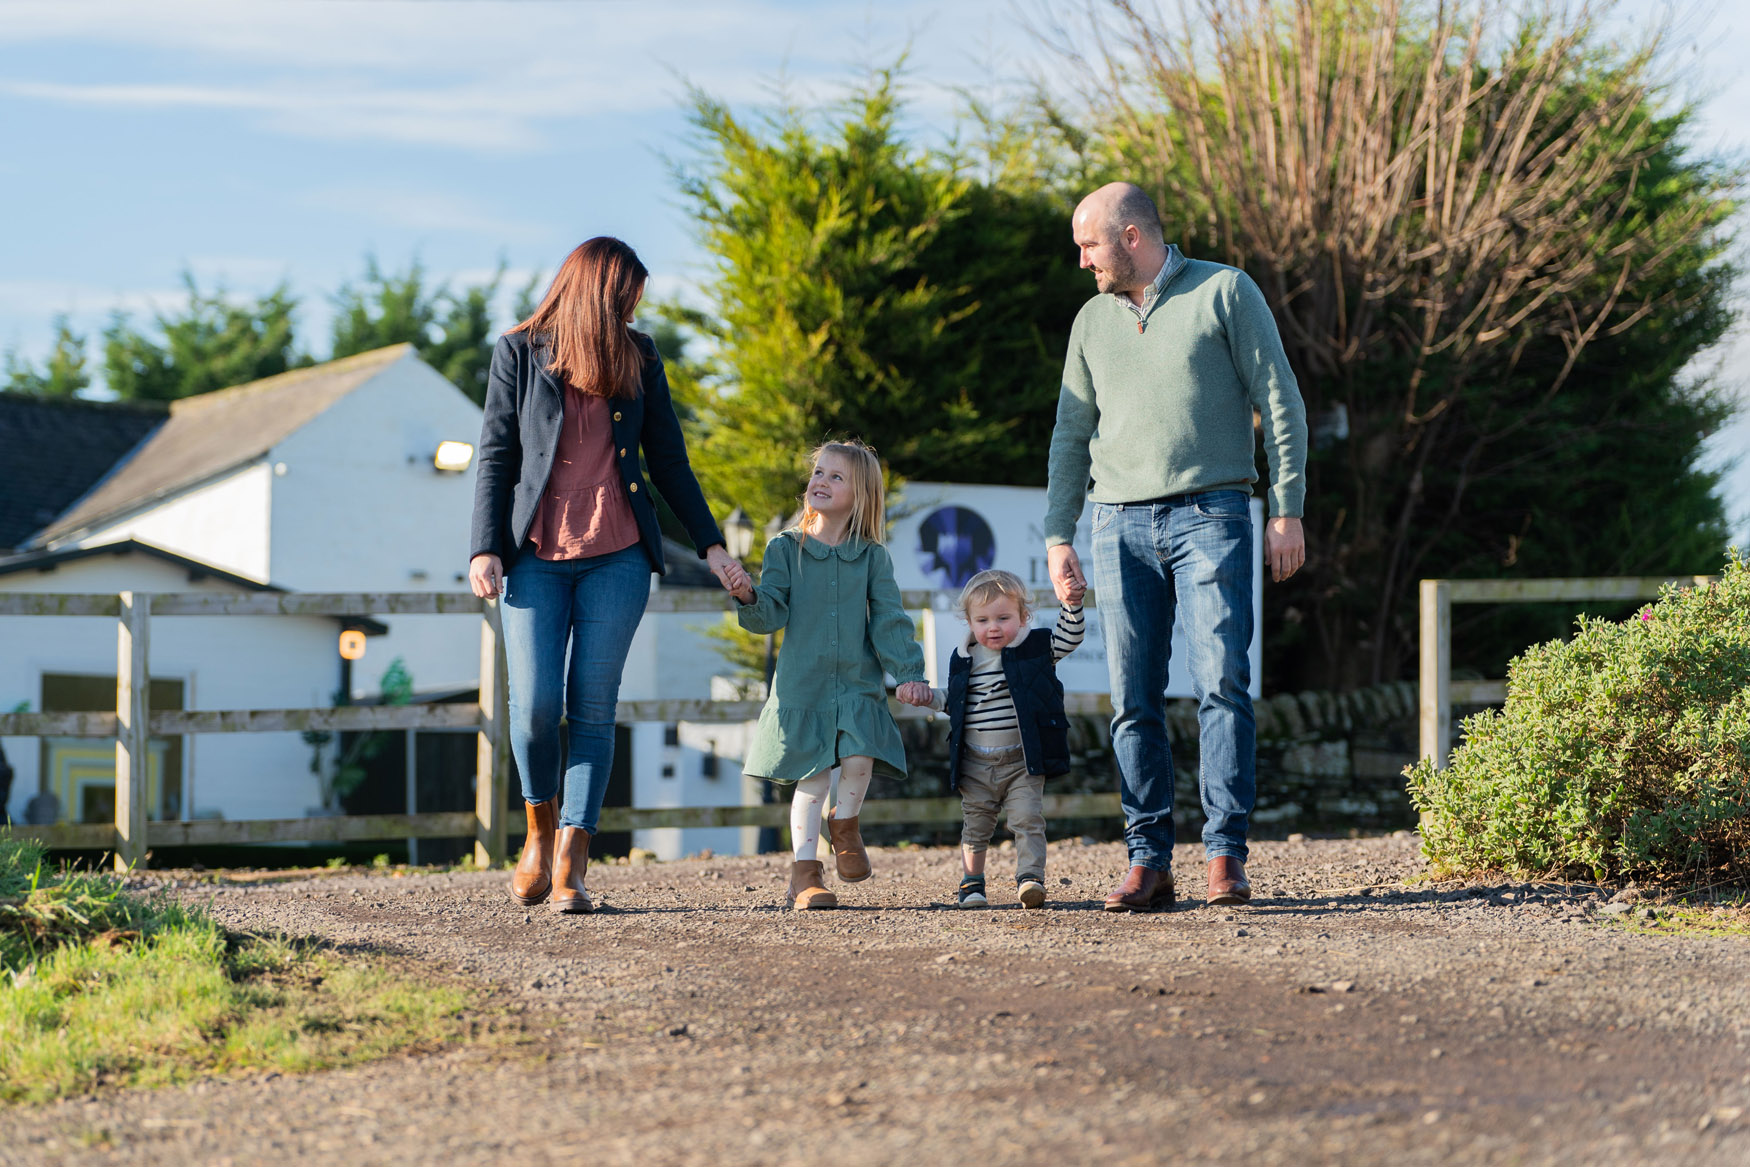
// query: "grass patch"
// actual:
[[1727, 918], [102, 988]]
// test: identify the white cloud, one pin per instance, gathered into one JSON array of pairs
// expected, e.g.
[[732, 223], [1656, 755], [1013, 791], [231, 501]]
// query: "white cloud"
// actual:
[[420, 209], [490, 77], [83, 302]]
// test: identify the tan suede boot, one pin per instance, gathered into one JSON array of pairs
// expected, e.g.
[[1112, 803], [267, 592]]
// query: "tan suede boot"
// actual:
[[848, 851], [533, 877], [808, 886], [569, 894]]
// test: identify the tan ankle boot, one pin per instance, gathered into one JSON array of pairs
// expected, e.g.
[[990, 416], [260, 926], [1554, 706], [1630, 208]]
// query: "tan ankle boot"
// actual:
[[808, 886], [533, 877], [848, 851], [569, 894]]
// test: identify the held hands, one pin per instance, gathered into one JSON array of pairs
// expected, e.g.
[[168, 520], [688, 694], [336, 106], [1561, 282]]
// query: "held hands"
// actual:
[[729, 573], [1065, 568], [914, 693], [1284, 547], [1074, 591], [486, 576]]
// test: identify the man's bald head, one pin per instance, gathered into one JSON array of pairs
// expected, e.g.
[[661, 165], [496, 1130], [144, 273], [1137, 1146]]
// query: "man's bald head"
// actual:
[[1118, 233], [1118, 205]]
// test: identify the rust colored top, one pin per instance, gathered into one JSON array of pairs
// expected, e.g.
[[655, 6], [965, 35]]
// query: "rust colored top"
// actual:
[[584, 510]]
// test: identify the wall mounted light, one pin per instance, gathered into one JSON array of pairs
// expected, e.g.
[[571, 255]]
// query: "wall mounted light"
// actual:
[[453, 457]]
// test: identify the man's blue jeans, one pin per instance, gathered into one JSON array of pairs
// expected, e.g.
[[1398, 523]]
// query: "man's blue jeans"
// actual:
[[1191, 555], [591, 606]]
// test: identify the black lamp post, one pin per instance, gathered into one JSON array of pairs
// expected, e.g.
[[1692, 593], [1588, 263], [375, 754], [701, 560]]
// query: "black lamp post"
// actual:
[[738, 534]]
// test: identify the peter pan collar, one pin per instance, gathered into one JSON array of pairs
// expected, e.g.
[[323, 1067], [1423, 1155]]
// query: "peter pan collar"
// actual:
[[851, 548]]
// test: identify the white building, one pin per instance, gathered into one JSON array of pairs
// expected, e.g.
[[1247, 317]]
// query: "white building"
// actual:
[[321, 479]]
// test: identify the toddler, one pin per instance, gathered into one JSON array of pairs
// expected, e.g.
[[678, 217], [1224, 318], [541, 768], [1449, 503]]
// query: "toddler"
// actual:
[[1007, 731]]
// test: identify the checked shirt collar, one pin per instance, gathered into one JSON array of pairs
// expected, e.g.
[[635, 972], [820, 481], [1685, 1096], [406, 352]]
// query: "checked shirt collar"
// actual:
[[1150, 294]]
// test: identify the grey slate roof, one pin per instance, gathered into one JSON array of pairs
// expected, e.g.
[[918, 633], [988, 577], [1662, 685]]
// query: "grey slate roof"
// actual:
[[685, 568], [53, 451], [215, 432]]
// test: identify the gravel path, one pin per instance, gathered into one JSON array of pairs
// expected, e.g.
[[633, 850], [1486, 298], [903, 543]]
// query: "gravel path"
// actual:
[[1343, 1018]]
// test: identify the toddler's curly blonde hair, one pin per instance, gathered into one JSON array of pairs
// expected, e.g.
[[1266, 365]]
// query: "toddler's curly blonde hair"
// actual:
[[988, 586]]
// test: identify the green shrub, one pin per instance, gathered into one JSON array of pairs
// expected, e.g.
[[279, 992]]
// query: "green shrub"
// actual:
[[1622, 752]]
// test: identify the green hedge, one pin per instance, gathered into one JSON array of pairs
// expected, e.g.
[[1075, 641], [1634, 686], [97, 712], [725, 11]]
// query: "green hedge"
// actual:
[[1622, 752]]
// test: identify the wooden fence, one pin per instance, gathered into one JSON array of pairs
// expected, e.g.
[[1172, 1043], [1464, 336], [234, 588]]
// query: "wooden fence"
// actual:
[[134, 722], [1439, 692]]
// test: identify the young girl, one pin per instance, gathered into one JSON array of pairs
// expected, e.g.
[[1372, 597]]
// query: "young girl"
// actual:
[[828, 582], [1006, 726]]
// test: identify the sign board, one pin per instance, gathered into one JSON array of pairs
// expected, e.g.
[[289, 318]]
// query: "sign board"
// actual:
[[941, 534]]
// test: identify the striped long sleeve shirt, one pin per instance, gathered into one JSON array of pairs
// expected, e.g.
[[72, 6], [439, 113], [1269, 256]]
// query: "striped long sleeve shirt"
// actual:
[[990, 708]]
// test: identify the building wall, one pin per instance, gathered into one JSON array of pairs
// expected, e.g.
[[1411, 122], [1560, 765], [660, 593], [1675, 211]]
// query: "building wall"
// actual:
[[224, 523], [703, 766], [359, 507], [224, 662]]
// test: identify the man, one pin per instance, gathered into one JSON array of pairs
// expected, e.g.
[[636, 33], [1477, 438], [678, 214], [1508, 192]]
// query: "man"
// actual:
[[1165, 367]]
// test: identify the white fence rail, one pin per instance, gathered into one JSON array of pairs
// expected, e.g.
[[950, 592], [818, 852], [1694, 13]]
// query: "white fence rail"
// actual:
[[134, 722]]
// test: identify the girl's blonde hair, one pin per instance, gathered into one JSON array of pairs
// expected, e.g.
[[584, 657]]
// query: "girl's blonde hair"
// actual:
[[989, 586], [868, 495]]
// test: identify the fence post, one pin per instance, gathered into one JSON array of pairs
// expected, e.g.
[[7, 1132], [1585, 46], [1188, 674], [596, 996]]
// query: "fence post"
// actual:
[[492, 769], [1435, 728], [133, 712]]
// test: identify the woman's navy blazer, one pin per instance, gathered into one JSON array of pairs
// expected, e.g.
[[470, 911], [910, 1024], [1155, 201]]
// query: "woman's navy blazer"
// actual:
[[524, 411]]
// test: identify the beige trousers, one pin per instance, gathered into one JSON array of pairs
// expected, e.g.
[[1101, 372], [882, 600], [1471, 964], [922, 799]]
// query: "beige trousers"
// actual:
[[997, 781]]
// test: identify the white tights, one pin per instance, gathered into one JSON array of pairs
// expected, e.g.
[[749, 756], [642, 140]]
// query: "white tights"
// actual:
[[854, 776]]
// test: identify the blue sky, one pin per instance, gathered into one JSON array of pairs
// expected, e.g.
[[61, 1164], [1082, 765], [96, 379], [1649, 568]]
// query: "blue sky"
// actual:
[[254, 141]]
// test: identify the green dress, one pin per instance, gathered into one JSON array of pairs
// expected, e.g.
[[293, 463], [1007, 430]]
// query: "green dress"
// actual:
[[843, 625]]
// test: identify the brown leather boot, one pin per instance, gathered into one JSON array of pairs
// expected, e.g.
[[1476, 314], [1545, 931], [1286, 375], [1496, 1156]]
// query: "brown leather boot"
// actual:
[[533, 877], [1144, 889], [569, 894], [848, 852], [1227, 882], [808, 886]]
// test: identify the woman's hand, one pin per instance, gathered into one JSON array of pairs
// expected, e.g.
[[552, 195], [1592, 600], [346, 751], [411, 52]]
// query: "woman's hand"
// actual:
[[729, 572], [486, 576]]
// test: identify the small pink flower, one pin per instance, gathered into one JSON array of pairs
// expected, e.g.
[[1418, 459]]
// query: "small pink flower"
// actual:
[[1646, 617]]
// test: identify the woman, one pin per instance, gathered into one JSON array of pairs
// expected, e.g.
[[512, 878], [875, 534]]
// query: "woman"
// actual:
[[565, 529]]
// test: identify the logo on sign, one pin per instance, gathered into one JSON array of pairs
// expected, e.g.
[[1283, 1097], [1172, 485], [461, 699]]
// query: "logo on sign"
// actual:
[[954, 544]]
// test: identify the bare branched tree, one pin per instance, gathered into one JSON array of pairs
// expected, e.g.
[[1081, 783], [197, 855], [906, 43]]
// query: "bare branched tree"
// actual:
[[1437, 189]]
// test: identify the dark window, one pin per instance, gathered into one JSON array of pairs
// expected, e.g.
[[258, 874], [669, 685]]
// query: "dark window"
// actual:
[[81, 771]]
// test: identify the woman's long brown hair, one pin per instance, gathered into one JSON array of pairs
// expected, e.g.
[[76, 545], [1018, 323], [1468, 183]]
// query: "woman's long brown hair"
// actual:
[[583, 317]]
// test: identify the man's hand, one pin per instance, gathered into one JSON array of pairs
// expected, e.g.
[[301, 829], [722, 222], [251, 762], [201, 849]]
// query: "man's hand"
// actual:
[[486, 576], [1065, 569], [914, 693], [728, 571], [1284, 547]]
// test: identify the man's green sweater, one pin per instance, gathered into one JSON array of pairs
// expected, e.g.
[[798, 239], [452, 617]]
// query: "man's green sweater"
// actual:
[[1168, 409]]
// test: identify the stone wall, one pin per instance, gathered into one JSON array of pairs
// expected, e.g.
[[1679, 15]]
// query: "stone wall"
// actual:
[[1328, 764]]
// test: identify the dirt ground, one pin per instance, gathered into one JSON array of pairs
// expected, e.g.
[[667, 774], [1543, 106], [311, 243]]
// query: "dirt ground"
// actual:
[[1345, 1017]]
